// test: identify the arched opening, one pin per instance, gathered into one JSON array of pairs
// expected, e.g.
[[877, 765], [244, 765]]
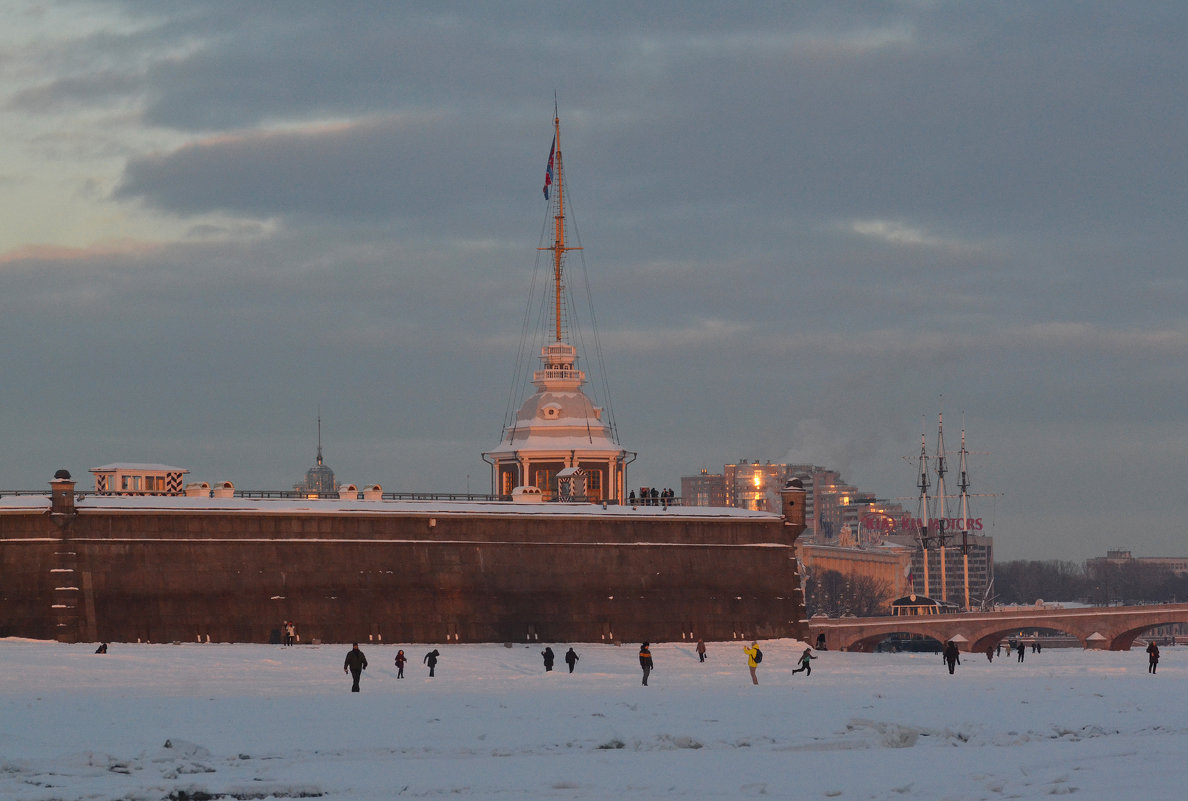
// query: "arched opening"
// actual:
[[1035, 638]]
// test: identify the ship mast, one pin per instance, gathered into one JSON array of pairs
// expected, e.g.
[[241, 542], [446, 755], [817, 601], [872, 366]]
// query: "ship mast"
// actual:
[[964, 485], [941, 469], [922, 509]]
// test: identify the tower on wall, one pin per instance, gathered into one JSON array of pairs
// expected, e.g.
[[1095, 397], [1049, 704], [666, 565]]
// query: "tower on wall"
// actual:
[[558, 429]]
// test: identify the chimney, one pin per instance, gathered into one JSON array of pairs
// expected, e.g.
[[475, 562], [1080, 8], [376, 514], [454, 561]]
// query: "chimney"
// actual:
[[62, 494]]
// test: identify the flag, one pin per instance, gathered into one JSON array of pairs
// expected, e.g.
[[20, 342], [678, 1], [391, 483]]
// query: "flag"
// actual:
[[549, 169]]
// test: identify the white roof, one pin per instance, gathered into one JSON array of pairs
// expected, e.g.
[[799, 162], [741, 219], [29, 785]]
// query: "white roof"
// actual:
[[180, 503]]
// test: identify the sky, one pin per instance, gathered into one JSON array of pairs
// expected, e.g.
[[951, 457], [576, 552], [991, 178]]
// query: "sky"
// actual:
[[808, 229]]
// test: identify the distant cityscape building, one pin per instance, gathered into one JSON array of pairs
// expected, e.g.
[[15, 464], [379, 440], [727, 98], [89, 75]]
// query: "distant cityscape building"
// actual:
[[704, 489], [856, 533], [1121, 557], [319, 480]]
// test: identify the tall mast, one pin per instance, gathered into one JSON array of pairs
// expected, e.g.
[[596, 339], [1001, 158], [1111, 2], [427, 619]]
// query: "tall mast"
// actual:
[[558, 247], [922, 508], [964, 485], [941, 469]]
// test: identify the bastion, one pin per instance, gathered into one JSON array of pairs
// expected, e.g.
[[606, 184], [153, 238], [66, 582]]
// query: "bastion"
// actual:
[[232, 569]]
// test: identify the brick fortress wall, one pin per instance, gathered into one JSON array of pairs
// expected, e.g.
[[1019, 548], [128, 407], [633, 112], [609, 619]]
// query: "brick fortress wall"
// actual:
[[234, 576]]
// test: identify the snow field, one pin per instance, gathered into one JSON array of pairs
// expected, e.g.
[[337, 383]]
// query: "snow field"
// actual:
[[187, 722]]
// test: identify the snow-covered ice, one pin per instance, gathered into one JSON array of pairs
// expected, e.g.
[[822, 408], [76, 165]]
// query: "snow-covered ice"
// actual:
[[186, 722]]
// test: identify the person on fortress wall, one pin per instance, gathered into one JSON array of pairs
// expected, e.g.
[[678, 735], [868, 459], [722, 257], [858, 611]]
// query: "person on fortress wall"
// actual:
[[547, 654], [805, 658], [753, 656], [356, 663], [431, 660], [400, 660], [952, 656], [645, 662], [1152, 656], [701, 650], [571, 658]]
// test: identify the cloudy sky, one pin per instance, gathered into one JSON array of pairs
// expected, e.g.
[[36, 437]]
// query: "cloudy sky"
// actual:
[[808, 228]]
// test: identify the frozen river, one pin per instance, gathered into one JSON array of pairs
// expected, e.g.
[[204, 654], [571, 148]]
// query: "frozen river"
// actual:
[[149, 722]]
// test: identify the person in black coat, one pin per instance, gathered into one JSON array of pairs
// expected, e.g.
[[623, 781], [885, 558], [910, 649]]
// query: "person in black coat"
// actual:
[[400, 660], [571, 659], [1152, 656], [547, 654], [952, 656], [356, 663], [431, 660], [645, 662]]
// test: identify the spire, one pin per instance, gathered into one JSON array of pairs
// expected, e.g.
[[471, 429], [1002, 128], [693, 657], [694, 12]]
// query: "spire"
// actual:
[[319, 435]]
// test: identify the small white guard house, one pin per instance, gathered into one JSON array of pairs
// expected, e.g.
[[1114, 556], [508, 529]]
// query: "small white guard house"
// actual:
[[130, 478]]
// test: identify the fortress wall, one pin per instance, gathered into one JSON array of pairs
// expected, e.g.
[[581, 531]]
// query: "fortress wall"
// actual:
[[235, 576]]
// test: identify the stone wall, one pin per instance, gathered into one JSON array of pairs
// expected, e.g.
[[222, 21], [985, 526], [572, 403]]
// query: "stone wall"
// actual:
[[192, 574]]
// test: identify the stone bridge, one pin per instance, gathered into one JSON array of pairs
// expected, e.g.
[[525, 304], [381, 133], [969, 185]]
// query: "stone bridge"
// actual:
[[1112, 627]]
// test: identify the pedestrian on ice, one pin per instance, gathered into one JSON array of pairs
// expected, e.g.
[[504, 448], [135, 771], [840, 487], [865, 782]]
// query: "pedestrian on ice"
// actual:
[[645, 662], [1152, 656], [571, 659], [547, 654], [952, 656], [990, 654], [1021, 650], [400, 660], [431, 660], [701, 650], [754, 656], [356, 663], [805, 659]]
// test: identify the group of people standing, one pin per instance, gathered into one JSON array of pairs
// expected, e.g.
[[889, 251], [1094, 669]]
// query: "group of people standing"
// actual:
[[571, 658], [651, 497]]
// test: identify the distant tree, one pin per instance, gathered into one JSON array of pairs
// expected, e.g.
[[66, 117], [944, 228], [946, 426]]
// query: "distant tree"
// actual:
[[832, 593], [1025, 582]]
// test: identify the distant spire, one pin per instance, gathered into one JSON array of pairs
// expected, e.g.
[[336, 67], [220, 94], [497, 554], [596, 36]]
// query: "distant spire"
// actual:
[[319, 434]]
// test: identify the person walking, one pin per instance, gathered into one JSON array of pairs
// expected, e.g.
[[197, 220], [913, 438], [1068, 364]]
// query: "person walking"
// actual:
[[701, 650], [431, 660], [805, 659], [400, 660], [990, 654], [1152, 656], [547, 654], [1021, 650], [754, 655], [356, 663], [952, 656], [645, 662], [571, 658]]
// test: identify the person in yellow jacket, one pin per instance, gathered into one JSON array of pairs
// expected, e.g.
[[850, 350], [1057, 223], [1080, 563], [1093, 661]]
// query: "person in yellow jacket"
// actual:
[[751, 653]]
